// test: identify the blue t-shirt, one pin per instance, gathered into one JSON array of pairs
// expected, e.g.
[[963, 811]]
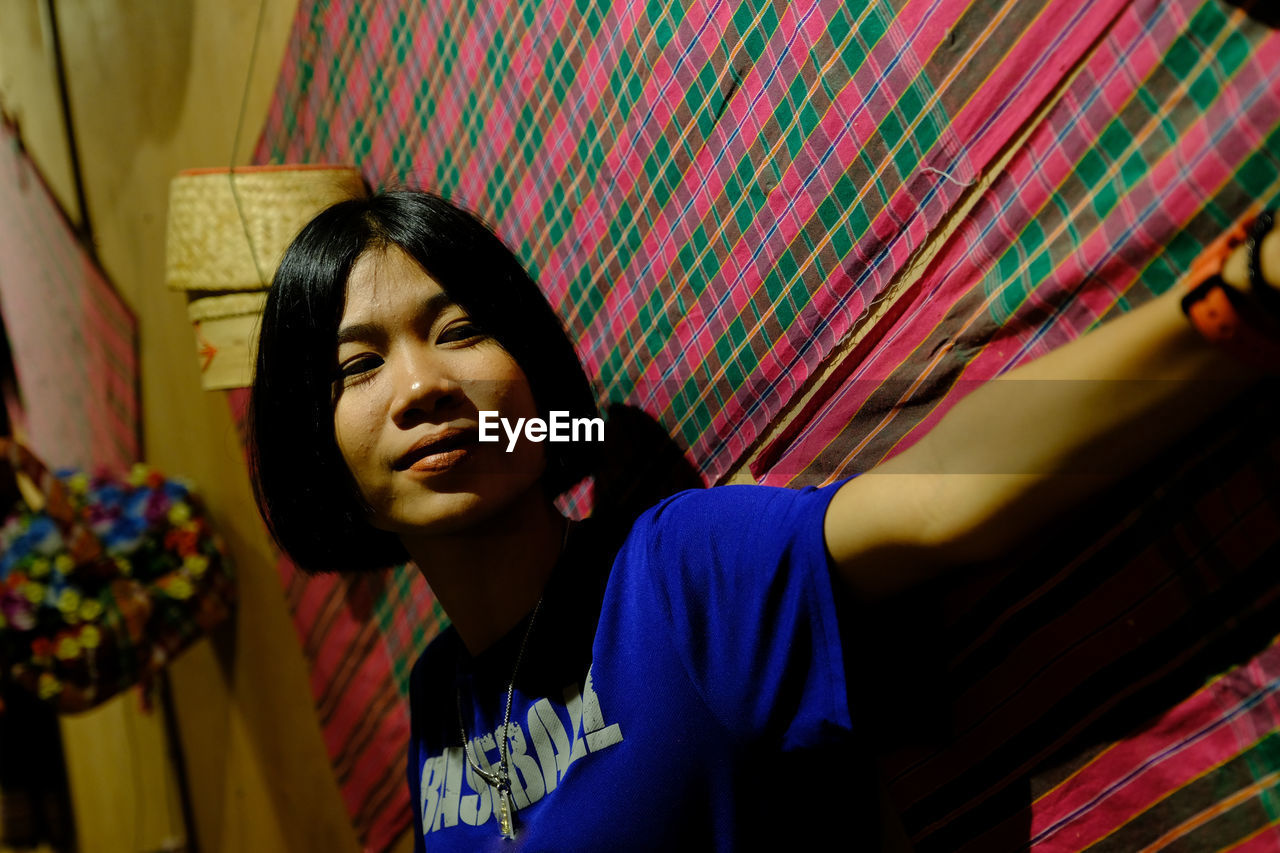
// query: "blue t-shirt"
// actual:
[[693, 698]]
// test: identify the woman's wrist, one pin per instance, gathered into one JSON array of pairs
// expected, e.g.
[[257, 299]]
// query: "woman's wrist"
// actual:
[[1231, 298]]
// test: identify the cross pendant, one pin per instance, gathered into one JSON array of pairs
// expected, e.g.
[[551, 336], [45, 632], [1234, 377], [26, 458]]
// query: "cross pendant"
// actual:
[[506, 813]]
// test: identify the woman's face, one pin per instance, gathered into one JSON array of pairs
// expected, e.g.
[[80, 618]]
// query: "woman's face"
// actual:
[[413, 374]]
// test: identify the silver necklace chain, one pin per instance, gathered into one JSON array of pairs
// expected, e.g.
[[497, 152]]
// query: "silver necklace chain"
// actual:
[[501, 781], [502, 778]]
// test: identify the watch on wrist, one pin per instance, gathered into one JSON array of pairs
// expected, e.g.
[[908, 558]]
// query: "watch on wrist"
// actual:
[[1243, 324]]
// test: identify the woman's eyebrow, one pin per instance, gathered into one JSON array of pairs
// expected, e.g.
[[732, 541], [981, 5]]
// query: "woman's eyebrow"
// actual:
[[366, 332], [359, 332]]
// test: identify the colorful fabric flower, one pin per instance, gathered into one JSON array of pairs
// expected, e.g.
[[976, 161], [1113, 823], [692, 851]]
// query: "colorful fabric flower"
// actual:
[[178, 587], [68, 648], [90, 636], [125, 535], [41, 648], [78, 483], [34, 591], [18, 610], [183, 540], [69, 601], [42, 536], [90, 610], [140, 587], [179, 513], [49, 686]]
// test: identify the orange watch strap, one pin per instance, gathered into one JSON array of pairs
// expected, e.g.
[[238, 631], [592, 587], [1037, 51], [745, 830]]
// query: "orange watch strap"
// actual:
[[1220, 313], [1213, 314]]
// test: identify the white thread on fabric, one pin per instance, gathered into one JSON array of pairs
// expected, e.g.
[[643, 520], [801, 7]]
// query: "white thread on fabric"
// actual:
[[955, 181]]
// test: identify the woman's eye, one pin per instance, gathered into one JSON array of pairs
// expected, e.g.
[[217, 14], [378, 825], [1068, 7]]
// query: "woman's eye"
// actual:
[[357, 366], [463, 331]]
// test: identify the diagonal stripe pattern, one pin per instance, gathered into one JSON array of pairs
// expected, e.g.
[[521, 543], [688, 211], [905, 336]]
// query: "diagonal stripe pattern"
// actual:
[[717, 195], [1169, 133]]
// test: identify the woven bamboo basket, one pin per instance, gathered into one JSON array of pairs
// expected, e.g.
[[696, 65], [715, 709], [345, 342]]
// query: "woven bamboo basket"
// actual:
[[213, 243], [227, 337]]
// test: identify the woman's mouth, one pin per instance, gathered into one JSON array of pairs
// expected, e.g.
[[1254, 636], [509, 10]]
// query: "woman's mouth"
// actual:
[[438, 453]]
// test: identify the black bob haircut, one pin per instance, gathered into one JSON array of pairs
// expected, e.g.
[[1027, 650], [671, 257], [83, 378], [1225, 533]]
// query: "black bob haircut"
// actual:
[[304, 490]]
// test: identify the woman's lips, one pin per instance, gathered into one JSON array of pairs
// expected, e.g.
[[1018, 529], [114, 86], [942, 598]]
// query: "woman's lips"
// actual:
[[441, 460], [439, 453]]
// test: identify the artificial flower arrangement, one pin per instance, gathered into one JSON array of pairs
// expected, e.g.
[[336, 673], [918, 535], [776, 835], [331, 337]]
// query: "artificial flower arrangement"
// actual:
[[102, 581]]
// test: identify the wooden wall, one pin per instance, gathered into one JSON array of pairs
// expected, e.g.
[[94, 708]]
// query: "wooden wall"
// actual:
[[155, 87]]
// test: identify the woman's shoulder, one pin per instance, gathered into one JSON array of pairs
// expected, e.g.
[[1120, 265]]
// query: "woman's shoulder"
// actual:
[[730, 527], [738, 508]]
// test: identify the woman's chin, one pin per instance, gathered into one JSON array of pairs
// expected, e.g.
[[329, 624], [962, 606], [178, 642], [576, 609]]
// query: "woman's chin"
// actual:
[[474, 509]]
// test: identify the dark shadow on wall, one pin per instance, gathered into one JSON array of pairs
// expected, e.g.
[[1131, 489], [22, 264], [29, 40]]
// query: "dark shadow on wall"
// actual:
[[34, 793], [950, 658], [639, 465], [1264, 11]]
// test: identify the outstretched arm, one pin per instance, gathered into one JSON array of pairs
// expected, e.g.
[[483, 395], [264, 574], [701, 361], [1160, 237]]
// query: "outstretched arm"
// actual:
[[1038, 440]]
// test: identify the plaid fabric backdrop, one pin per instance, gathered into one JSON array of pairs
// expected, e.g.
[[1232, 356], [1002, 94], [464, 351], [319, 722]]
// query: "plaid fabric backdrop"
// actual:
[[71, 336], [1169, 133], [718, 196]]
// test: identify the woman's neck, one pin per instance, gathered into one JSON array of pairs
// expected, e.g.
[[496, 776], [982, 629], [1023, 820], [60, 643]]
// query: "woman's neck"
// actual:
[[489, 577]]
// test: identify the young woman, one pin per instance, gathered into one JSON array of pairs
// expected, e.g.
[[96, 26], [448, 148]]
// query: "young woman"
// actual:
[[676, 680]]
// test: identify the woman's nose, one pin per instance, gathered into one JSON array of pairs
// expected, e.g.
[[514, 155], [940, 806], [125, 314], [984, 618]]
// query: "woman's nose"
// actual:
[[423, 388]]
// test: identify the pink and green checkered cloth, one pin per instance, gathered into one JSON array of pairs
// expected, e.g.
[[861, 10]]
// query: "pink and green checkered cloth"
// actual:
[[71, 336], [715, 195]]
